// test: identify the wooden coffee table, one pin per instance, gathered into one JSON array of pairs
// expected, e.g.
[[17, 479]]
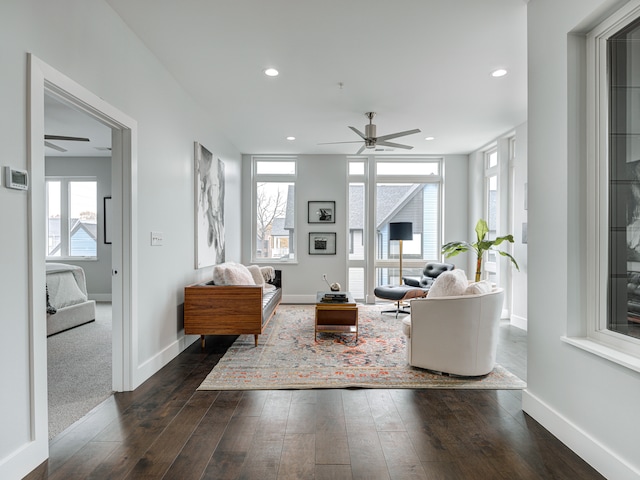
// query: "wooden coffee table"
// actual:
[[336, 317]]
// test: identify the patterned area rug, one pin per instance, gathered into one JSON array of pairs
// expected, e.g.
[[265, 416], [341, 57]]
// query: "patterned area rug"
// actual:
[[288, 358]]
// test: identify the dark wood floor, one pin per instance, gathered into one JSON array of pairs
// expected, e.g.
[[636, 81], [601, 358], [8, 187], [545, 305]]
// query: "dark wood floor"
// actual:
[[166, 429]]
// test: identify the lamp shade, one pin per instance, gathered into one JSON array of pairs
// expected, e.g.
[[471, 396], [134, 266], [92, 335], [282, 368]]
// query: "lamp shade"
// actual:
[[400, 231]]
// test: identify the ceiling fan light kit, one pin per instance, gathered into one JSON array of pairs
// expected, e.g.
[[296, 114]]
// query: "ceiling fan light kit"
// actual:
[[371, 141]]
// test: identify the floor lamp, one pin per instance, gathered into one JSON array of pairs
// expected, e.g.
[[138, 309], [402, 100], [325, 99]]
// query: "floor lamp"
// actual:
[[400, 231]]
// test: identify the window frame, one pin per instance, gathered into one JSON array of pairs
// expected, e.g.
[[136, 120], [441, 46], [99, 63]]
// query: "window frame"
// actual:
[[408, 261], [617, 346], [65, 215], [491, 267], [257, 178]]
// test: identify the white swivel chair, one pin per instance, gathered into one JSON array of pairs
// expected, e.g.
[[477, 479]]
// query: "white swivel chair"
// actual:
[[455, 335]]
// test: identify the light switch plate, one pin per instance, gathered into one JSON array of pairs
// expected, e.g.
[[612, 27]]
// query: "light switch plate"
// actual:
[[156, 239]]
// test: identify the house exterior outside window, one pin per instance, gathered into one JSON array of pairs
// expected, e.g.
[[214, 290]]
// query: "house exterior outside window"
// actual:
[[273, 213], [71, 213]]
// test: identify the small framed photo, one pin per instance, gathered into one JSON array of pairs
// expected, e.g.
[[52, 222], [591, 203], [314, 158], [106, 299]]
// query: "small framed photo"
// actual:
[[322, 212], [322, 243]]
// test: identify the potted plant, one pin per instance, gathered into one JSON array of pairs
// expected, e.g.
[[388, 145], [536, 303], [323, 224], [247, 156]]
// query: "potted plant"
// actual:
[[452, 249]]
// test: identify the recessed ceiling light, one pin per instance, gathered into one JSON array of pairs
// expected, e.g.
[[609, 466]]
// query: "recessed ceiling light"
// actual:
[[271, 72], [430, 138], [501, 72], [291, 138]]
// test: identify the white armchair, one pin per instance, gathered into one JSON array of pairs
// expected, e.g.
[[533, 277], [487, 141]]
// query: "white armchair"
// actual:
[[456, 335]]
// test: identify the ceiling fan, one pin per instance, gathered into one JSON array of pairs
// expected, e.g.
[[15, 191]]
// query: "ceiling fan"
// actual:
[[370, 139], [61, 138]]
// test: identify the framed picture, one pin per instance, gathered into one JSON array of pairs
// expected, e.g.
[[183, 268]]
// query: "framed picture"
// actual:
[[209, 208], [107, 219], [322, 243], [322, 212]]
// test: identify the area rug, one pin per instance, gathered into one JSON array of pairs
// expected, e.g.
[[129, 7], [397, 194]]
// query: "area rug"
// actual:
[[287, 357]]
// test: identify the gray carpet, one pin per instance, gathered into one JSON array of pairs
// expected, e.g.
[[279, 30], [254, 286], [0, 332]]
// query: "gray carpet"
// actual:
[[79, 370]]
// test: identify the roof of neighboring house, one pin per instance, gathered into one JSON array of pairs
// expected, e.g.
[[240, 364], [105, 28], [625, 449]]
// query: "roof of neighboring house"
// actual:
[[90, 227], [289, 215], [391, 199], [277, 228]]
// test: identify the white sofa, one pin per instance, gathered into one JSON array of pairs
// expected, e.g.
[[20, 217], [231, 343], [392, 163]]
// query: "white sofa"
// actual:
[[455, 334]]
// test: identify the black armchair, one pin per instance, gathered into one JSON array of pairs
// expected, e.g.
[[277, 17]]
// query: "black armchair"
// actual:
[[429, 274]]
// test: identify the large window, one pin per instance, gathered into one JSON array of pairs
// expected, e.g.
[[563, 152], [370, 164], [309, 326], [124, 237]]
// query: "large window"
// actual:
[[357, 222], [624, 170], [613, 191], [274, 209], [491, 203], [407, 191], [71, 218]]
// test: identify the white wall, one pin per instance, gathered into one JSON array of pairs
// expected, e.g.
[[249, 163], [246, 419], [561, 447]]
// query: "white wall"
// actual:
[[97, 272], [87, 41], [324, 177], [588, 402]]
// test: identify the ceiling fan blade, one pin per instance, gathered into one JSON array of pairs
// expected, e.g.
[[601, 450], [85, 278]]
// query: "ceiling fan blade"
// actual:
[[65, 138], [398, 134], [395, 145], [361, 150], [55, 147], [358, 132], [334, 143]]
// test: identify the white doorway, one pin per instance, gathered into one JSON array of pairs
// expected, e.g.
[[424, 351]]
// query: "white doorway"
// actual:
[[46, 80]]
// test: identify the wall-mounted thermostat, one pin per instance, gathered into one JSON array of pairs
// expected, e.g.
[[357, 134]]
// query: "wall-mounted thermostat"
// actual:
[[14, 178]]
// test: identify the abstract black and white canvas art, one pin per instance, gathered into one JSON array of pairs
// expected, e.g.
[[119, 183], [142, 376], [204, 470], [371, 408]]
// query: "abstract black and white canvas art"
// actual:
[[209, 188]]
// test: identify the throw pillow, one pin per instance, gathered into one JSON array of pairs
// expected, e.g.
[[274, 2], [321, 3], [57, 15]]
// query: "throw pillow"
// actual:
[[230, 273], [256, 274], [448, 284], [477, 288]]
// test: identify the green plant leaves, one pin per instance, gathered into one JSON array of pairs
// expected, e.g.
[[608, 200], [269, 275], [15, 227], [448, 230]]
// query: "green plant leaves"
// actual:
[[452, 249]]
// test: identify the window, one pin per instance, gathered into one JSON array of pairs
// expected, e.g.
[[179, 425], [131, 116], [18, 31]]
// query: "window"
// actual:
[[357, 211], [274, 209], [491, 212], [407, 191], [71, 212], [613, 204], [624, 171]]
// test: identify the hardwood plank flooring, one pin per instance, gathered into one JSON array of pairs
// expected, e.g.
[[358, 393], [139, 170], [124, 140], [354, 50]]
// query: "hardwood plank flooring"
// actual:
[[168, 430]]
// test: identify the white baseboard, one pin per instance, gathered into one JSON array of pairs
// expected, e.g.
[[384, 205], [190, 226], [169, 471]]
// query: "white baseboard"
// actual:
[[518, 321], [155, 363], [605, 461], [100, 297], [25, 459], [299, 299]]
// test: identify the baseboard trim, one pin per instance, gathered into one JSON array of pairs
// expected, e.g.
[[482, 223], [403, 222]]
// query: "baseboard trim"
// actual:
[[24, 460], [605, 461], [299, 299], [100, 297], [520, 322], [146, 369]]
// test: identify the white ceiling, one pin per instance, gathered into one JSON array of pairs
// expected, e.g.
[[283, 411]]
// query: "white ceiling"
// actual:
[[61, 119], [418, 63]]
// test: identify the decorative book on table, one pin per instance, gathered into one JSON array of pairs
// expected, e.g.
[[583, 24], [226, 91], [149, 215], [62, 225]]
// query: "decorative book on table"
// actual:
[[334, 298]]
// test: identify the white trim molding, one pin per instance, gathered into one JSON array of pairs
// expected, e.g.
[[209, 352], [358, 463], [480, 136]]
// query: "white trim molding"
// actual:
[[599, 456]]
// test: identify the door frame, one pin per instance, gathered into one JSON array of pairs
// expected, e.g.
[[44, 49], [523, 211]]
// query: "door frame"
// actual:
[[43, 78]]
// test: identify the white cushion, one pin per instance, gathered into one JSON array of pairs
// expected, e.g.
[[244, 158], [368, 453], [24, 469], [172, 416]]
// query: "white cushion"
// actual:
[[477, 288], [230, 273], [449, 284], [256, 274], [406, 325]]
